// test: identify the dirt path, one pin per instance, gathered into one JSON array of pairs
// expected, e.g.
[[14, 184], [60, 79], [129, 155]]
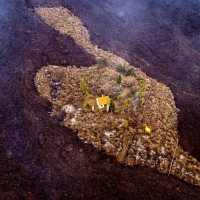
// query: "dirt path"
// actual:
[[39, 159], [125, 91]]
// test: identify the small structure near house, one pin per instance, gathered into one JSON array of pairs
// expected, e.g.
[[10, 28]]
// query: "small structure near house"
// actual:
[[102, 101]]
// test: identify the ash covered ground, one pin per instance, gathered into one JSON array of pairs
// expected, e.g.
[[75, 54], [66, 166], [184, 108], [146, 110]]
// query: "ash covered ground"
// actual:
[[39, 159]]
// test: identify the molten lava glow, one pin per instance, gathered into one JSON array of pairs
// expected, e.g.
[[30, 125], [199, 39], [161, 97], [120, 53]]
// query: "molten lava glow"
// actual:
[[147, 129]]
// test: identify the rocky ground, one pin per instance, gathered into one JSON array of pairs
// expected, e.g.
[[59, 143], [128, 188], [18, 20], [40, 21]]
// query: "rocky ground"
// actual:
[[39, 159]]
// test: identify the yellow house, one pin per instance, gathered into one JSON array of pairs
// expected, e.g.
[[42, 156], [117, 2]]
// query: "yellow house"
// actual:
[[102, 101]]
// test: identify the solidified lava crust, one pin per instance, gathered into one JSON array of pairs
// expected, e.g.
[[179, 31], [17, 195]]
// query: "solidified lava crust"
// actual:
[[39, 159]]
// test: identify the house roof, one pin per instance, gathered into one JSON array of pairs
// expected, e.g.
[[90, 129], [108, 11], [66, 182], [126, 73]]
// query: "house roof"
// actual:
[[103, 100]]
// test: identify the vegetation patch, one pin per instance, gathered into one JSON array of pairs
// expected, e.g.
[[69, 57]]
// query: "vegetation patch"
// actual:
[[138, 127]]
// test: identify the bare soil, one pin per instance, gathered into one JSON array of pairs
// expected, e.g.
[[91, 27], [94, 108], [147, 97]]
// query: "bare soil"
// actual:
[[39, 159]]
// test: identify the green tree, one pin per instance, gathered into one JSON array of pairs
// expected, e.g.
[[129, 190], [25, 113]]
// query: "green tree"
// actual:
[[112, 105], [83, 86], [119, 79], [120, 68]]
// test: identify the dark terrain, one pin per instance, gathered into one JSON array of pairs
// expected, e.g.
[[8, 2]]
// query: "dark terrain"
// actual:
[[39, 159]]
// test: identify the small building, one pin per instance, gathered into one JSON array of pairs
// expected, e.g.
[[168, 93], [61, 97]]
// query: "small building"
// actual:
[[102, 101]]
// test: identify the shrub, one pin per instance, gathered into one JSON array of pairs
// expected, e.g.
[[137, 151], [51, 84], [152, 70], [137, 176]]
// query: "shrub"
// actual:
[[98, 111], [128, 81], [125, 123], [116, 111], [138, 92], [112, 105], [102, 63], [120, 98], [122, 111], [130, 72], [87, 106], [127, 102], [141, 81], [120, 68]]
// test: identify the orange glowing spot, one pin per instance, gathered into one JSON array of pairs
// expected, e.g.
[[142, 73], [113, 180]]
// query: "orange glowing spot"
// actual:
[[147, 129]]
